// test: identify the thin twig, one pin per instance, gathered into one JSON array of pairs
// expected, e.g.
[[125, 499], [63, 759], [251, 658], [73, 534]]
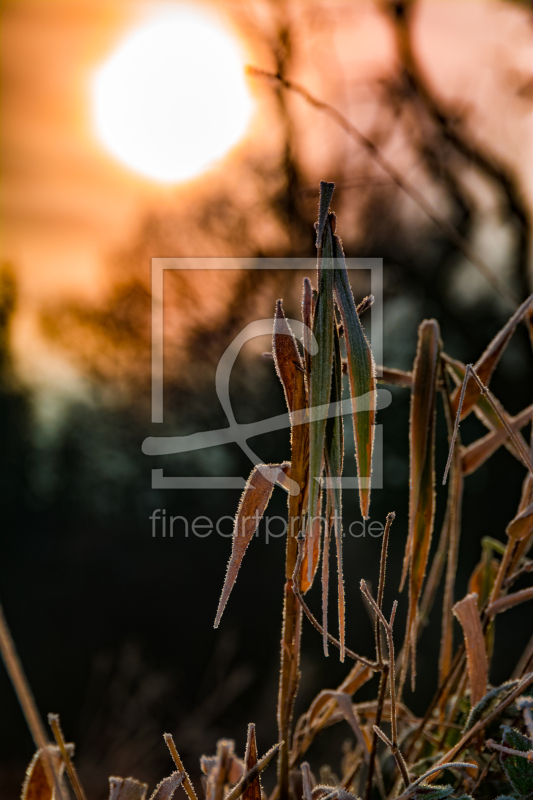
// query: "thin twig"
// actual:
[[483, 774], [27, 702], [395, 750], [449, 230], [457, 421], [53, 720], [509, 750], [381, 585], [526, 458], [379, 656], [525, 570], [316, 624], [433, 771], [511, 600]]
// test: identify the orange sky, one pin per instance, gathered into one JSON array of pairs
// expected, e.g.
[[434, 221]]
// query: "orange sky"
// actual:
[[66, 203]]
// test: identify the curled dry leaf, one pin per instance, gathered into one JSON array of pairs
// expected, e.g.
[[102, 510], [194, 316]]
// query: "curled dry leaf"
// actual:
[[36, 786], [422, 472], [251, 509], [126, 789], [467, 612], [167, 787], [522, 525]]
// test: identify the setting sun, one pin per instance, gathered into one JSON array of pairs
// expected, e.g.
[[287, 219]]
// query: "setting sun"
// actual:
[[171, 99]]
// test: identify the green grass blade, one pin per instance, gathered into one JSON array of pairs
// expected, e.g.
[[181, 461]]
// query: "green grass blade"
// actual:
[[361, 372], [334, 464], [321, 366]]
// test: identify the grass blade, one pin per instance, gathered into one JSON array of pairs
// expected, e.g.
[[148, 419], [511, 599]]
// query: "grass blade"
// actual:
[[253, 791], [252, 506], [311, 549], [422, 474], [321, 365], [287, 359], [361, 373], [334, 464]]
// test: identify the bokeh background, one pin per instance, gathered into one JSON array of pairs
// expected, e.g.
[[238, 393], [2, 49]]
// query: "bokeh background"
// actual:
[[114, 627]]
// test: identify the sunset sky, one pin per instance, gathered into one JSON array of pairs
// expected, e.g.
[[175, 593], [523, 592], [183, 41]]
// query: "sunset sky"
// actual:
[[67, 203]]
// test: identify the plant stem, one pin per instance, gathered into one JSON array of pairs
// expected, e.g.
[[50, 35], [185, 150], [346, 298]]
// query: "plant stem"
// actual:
[[27, 702], [187, 785], [53, 719]]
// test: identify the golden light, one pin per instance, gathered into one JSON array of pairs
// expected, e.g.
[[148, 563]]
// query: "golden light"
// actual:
[[172, 99]]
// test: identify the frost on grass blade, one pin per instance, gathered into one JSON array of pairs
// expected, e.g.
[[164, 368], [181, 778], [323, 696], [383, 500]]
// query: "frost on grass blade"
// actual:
[[321, 367], [361, 373], [311, 549], [422, 472], [252, 506], [165, 790], [287, 359], [334, 464], [488, 703], [253, 791], [326, 193]]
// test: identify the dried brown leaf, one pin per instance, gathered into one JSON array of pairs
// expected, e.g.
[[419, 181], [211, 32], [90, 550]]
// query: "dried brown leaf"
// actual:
[[253, 791], [467, 612], [522, 525], [252, 506], [36, 786], [287, 359]]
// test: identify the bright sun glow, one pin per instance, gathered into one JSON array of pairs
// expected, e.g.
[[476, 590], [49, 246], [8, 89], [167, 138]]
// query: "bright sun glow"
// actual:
[[172, 98]]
